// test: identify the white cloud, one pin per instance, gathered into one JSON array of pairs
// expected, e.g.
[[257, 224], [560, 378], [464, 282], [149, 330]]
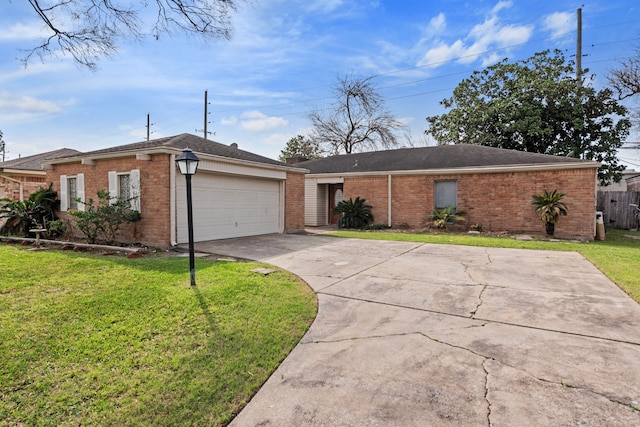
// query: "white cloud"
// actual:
[[325, 6], [558, 23], [229, 121], [481, 41], [10, 103], [255, 121], [436, 26], [20, 31]]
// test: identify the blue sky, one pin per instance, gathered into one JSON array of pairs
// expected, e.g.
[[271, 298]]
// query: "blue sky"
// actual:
[[282, 63]]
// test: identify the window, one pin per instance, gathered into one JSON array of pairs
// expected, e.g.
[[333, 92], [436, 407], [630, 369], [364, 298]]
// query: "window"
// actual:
[[72, 190], [126, 186], [446, 194]]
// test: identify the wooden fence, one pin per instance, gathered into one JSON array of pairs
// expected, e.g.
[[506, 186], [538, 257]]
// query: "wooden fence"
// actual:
[[616, 209]]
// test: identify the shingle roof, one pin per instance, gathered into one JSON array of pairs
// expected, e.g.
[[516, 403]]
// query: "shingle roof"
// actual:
[[196, 143], [425, 158], [35, 162]]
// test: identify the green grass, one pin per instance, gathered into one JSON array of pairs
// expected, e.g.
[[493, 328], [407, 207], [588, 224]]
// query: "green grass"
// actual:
[[618, 256], [95, 340]]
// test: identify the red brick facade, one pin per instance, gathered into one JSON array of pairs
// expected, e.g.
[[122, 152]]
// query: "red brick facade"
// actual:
[[294, 203], [497, 201], [154, 228], [27, 184]]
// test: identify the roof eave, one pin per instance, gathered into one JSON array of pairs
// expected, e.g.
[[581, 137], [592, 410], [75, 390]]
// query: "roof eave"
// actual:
[[468, 170], [165, 150]]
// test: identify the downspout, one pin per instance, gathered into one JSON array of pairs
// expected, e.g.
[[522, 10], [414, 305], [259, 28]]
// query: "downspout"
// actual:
[[172, 201], [389, 197]]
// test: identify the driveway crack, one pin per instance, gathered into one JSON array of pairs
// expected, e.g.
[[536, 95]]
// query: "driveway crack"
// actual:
[[473, 313]]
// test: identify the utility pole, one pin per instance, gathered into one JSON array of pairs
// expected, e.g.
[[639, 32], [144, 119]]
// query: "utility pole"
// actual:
[[2, 146], [148, 126], [579, 49], [206, 117]]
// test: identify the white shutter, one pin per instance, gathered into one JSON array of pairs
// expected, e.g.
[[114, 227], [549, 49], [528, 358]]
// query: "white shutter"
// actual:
[[113, 186], [80, 190], [64, 201], [134, 182]]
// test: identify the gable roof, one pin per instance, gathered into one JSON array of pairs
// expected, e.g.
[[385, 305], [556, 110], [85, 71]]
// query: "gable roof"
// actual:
[[34, 163], [176, 144], [438, 157]]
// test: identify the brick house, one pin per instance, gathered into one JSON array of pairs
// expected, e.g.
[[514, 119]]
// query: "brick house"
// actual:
[[494, 187], [21, 177], [235, 193]]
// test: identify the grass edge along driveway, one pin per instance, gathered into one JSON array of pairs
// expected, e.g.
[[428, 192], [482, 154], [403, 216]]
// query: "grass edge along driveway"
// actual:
[[618, 256], [96, 340]]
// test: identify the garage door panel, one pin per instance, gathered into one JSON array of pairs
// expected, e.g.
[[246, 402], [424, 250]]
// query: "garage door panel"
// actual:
[[227, 206]]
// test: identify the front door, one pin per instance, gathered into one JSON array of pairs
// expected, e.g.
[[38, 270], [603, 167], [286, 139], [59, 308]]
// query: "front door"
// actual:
[[335, 197]]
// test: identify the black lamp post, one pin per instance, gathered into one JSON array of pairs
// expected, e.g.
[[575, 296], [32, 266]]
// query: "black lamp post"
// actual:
[[188, 164]]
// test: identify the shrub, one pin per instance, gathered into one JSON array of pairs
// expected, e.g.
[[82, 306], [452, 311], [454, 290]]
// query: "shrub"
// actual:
[[35, 212], [355, 213], [440, 217], [100, 221]]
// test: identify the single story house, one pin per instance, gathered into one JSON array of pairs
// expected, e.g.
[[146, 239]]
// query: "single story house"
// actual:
[[22, 176], [235, 193], [494, 187]]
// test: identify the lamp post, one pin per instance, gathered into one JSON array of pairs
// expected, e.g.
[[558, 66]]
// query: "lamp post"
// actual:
[[188, 164]]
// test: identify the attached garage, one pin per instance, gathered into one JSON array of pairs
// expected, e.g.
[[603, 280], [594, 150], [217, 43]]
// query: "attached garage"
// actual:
[[227, 206], [235, 193]]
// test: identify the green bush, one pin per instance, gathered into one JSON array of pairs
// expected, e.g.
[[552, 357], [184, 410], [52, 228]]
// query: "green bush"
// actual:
[[35, 212], [100, 221], [440, 217], [355, 213]]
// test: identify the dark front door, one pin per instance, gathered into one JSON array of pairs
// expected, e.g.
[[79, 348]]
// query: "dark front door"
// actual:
[[335, 197]]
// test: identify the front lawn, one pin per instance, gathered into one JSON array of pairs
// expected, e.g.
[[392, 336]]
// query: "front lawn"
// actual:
[[96, 340], [618, 256]]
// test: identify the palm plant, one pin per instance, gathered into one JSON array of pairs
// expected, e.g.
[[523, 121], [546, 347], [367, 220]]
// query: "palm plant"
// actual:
[[440, 217], [550, 207], [35, 212], [355, 213]]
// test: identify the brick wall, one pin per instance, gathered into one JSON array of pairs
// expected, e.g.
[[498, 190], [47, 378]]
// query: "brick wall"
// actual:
[[497, 201], [11, 190], [294, 202], [154, 228]]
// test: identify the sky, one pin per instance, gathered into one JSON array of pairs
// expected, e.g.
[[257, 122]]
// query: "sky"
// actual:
[[282, 62]]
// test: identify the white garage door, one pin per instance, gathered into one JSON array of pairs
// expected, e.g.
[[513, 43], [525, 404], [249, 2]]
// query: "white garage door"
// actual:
[[227, 206]]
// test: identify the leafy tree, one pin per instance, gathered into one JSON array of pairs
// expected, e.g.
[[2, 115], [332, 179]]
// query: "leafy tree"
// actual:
[[35, 212], [358, 120], [299, 146], [535, 105], [101, 220], [90, 29], [355, 213]]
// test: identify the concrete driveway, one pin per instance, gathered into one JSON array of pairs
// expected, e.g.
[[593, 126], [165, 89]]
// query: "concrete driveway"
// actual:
[[412, 334]]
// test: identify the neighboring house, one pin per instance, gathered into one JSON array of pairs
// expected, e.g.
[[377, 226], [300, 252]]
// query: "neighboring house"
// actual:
[[623, 185], [21, 177], [235, 193], [494, 187]]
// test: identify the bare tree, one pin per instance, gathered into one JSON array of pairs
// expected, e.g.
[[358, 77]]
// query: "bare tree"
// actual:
[[625, 80], [358, 120], [89, 29]]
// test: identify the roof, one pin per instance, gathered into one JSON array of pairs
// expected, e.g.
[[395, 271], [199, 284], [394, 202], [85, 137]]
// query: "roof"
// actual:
[[179, 143], [438, 157], [34, 163]]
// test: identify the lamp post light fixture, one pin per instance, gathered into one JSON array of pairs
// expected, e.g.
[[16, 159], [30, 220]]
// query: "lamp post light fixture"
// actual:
[[188, 164]]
